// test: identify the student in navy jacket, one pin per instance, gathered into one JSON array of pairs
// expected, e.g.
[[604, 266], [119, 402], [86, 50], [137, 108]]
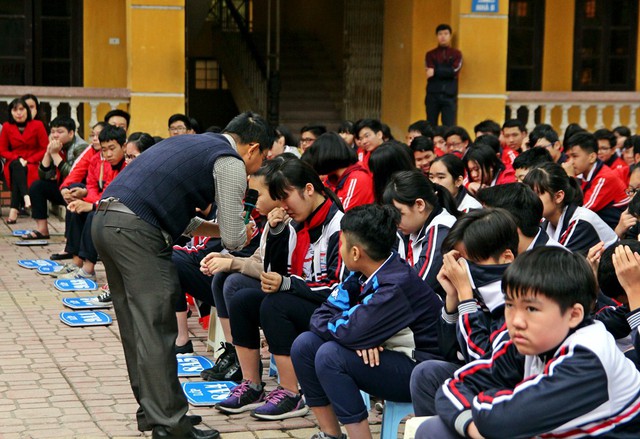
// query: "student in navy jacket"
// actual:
[[566, 220], [560, 375], [354, 341], [427, 212]]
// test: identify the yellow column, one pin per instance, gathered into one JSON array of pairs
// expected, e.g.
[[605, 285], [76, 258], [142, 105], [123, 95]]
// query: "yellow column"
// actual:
[[156, 63], [482, 38], [409, 32]]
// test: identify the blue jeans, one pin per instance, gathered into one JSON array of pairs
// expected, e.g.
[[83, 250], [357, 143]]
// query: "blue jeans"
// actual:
[[330, 373]]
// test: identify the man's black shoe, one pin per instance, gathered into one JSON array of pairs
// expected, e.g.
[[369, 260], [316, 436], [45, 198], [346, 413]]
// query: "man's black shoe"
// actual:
[[160, 432], [226, 360], [60, 256], [195, 420]]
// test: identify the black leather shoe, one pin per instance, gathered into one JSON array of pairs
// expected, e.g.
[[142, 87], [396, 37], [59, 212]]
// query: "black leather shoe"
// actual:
[[195, 420], [160, 432]]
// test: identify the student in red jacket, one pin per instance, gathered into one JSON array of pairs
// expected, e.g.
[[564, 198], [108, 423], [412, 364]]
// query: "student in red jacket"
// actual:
[[604, 192], [485, 169], [102, 170], [607, 153], [351, 182], [23, 142]]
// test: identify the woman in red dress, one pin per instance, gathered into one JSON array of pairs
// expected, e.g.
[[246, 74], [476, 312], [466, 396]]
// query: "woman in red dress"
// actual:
[[23, 142]]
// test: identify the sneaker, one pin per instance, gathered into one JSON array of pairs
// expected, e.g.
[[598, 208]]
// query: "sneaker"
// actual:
[[226, 360], [65, 269], [79, 274], [281, 404], [103, 298], [185, 349], [322, 435], [243, 398]]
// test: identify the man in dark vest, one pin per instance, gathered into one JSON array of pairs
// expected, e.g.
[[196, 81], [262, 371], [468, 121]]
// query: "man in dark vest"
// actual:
[[144, 210]]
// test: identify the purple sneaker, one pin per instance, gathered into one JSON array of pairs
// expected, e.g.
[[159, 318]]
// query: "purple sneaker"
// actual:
[[281, 404], [243, 398]]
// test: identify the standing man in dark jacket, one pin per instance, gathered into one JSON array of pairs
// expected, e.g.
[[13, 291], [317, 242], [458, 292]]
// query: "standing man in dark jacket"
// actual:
[[442, 65], [143, 211]]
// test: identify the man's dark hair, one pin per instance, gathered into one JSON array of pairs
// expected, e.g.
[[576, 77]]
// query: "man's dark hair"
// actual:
[[317, 130], [423, 127], [443, 26], [531, 158], [607, 278], [329, 153], [488, 126], [634, 204], [346, 126], [632, 142], [373, 227], [65, 122], [112, 132], [386, 133], [605, 134], [251, 127], [118, 112], [548, 134], [571, 129], [458, 131], [180, 118], [421, 144], [373, 124], [543, 271], [440, 131], [485, 233], [489, 140], [622, 130], [143, 141], [520, 201], [514, 123], [195, 125], [586, 141]]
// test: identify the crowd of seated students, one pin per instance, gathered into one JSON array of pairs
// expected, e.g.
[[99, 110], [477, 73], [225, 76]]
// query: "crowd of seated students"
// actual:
[[453, 273], [459, 227]]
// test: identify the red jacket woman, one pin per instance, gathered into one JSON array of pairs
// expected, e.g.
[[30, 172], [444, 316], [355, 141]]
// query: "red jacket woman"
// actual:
[[23, 142]]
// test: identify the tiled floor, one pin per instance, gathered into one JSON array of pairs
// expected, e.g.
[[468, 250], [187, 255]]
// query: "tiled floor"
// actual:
[[63, 382]]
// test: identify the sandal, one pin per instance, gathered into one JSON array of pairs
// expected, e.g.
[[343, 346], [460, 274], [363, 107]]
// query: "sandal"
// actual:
[[34, 235]]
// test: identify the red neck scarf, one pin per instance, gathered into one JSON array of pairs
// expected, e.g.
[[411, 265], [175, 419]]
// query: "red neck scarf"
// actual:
[[304, 240]]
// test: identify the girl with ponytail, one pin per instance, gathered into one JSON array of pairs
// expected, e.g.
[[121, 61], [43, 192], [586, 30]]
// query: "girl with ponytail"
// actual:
[[427, 212], [566, 221], [301, 265]]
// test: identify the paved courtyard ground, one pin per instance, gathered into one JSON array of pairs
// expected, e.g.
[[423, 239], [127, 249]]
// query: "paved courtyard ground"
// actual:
[[63, 382]]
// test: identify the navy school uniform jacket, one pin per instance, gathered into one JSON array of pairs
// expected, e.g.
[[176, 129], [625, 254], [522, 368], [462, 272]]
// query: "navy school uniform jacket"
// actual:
[[322, 267], [362, 314], [585, 387], [579, 229], [426, 246]]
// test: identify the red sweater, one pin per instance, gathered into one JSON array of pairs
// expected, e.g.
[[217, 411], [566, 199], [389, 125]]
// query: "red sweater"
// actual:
[[30, 145], [80, 169], [604, 189], [99, 176], [354, 188]]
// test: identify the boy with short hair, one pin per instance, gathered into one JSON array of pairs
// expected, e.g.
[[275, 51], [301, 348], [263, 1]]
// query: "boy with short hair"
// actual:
[[604, 191], [560, 375]]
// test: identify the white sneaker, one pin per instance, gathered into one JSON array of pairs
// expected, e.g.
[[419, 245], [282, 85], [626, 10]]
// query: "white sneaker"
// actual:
[[78, 274]]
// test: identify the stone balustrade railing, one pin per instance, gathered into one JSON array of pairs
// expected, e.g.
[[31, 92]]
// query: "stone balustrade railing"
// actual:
[[73, 96], [591, 110]]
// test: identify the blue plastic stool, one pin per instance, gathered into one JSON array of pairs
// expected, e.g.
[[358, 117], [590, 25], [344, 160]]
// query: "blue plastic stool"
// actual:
[[273, 369], [366, 399], [393, 413]]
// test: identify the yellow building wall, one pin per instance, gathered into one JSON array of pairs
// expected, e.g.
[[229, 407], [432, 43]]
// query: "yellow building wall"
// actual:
[[104, 64], [482, 82], [482, 38], [156, 63], [149, 60], [404, 46]]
